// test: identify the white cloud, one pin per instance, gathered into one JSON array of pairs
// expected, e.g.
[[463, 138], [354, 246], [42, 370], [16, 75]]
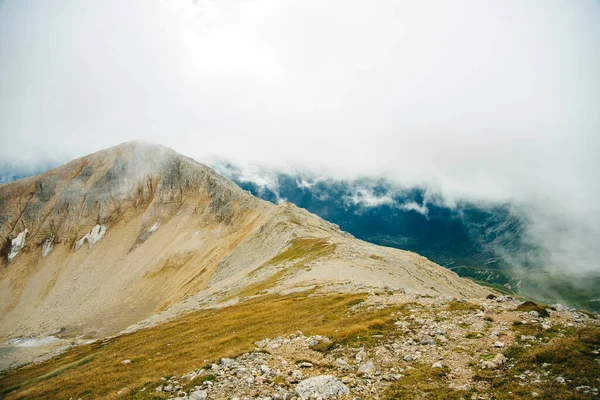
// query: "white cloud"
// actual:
[[414, 206], [485, 101], [366, 198], [304, 184], [262, 179]]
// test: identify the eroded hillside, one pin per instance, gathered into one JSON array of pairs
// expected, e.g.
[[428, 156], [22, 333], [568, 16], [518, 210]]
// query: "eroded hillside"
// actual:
[[138, 234]]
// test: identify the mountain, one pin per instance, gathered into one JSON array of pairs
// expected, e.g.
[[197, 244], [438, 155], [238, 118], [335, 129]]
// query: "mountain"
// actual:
[[140, 232], [138, 273], [374, 210], [488, 242]]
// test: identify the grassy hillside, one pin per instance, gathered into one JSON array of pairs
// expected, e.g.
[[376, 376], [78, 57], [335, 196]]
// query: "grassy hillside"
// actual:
[[188, 343], [385, 327]]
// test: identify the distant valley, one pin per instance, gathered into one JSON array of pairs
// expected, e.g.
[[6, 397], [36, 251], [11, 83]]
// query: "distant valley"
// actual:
[[483, 241]]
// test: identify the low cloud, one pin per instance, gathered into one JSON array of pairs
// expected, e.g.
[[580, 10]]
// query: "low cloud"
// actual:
[[263, 180], [304, 184], [366, 198], [483, 102], [413, 206]]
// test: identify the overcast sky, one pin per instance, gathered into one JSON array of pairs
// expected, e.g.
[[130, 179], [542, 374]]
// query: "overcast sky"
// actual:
[[484, 100]]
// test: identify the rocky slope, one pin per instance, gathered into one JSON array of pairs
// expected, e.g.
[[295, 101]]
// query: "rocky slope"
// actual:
[[138, 232], [434, 348], [355, 342]]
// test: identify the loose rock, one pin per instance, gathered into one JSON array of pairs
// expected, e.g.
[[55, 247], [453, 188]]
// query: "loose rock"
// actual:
[[324, 386]]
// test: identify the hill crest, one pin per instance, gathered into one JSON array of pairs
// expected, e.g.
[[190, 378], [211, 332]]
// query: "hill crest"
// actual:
[[139, 232]]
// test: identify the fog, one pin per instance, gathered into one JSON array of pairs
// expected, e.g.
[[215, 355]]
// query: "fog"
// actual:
[[478, 100]]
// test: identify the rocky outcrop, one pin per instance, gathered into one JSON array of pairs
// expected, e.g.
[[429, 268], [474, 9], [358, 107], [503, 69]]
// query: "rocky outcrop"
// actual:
[[288, 367], [110, 186], [93, 241]]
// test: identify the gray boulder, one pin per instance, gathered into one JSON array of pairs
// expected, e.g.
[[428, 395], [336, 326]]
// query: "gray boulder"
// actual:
[[366, 369], [323, 386], [426, 340], [198, 395]]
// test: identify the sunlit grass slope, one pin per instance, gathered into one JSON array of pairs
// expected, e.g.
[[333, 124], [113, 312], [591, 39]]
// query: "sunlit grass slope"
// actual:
[[190, 342]]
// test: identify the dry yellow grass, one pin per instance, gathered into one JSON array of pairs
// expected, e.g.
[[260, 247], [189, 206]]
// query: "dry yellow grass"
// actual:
[[300, 252], [190, 342]]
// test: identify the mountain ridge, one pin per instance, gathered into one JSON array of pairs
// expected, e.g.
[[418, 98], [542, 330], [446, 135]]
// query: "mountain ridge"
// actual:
[[113, 238], [138, 273]]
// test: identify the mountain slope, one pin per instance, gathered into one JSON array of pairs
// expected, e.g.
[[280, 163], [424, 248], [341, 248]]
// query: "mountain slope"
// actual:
[[133, 202], [118, 236], [490, 242]]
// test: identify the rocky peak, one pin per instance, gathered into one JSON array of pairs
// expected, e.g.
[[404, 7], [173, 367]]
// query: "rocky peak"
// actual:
[[136, 234], [111, 185]]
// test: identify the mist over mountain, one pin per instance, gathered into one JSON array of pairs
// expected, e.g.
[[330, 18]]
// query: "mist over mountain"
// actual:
[[11, 171], [487, 241], [298, 199], [488, 110], [121, 235]]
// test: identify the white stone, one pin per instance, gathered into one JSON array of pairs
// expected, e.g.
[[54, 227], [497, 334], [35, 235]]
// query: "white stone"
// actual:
[[499, 359], [17, 244], [227, 362], [342, 363], [154, 227], [361, 356], [96, 234], [366, 369], [47, 246], [198, 395], [93, 237], [323, 386]]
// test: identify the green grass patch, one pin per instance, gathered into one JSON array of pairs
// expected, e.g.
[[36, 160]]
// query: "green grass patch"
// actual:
[[571, 357], [300, 252], [199, 380], [423, 382], [533, 306], [462, 306]]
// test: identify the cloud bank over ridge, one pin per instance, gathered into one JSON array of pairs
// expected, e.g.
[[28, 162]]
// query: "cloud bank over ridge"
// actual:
[[481, 101]]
